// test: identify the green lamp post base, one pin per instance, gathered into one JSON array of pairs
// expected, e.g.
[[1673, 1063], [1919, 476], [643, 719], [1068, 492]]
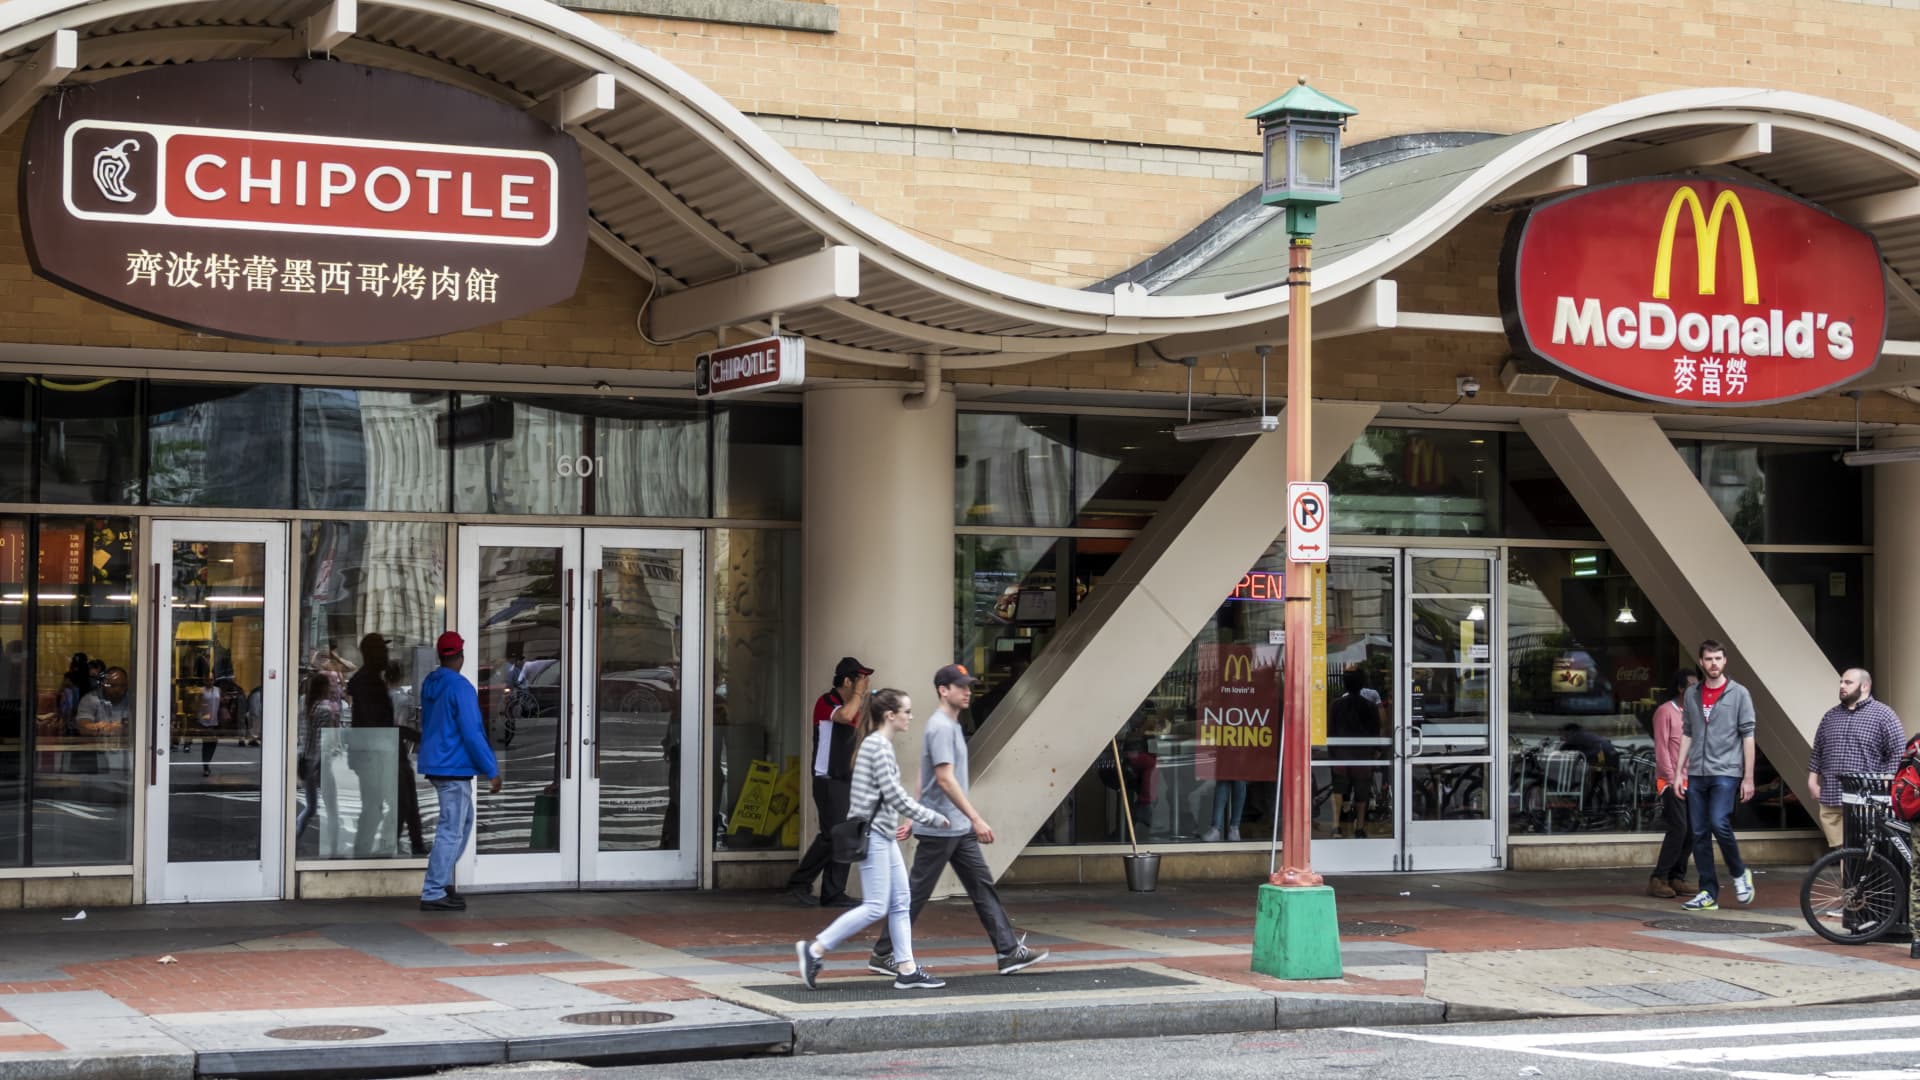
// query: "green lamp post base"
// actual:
[[1296, 933]]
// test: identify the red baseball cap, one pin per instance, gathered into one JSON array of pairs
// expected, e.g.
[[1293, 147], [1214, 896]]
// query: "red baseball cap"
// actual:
[[450, 644]]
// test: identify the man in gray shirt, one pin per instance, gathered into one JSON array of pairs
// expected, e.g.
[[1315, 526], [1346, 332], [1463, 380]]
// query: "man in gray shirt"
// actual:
[[943, 788], [1716, 744]]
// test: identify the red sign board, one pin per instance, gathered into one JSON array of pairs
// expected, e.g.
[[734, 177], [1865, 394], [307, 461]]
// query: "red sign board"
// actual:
[[1237, 698], [1694, 291], [301, 201], [755, 365]]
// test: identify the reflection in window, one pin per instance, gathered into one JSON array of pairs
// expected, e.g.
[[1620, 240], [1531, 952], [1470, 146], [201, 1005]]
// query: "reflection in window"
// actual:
[[89, 441], [1828, 594], [372, 601], [19, 724], [1013, 469], [16, 440], [756, 462], [79, 619], [1009, 604], [1126, 467], [1775, 493], [220, 444], [1538, 504], [1417, 482], [756, 682], [1588, 661], [649, 459], [373, 449], [558, 455]]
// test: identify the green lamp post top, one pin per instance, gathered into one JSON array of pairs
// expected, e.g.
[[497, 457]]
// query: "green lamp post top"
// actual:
[[1303, 101]]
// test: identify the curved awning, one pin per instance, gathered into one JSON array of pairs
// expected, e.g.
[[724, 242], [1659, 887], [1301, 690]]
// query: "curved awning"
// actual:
[[687, 191]]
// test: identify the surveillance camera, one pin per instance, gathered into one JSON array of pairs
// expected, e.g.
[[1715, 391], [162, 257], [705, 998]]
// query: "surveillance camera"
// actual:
[[1466, 386]]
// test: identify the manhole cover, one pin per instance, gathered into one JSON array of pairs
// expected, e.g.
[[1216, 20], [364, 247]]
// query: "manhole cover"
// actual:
[[325, 1033], [1363, 928], [1718, 926], [617, 1018]]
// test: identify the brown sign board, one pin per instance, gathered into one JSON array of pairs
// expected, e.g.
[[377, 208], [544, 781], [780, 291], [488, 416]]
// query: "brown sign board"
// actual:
[[754, 365], [302, 201]]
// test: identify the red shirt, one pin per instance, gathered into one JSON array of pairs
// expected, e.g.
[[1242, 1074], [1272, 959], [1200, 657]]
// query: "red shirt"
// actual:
[[1709, 697]]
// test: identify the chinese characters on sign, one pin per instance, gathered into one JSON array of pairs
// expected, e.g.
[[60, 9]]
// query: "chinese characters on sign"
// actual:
[[311, 277]]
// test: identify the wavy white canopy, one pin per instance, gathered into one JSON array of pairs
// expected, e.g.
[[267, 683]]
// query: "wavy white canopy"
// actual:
[[686, 190]]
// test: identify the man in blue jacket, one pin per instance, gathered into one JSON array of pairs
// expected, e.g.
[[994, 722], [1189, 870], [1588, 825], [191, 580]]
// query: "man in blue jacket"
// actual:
[[453, 750]]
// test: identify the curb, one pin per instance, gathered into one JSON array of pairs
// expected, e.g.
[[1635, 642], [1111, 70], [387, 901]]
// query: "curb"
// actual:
[[70, 1066], [859, 1031]]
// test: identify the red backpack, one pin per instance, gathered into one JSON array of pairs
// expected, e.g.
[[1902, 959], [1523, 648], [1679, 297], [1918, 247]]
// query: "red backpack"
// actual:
[[1905, 788]]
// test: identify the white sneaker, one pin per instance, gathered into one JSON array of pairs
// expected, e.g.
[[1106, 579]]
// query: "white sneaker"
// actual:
[[1743, 887], [1211, 836], [1233, 834], [1701, 902]]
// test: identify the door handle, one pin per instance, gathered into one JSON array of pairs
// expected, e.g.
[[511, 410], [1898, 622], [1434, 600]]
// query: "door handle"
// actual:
[[590, 732], [566, 657], [162, 731], [1416, 749]]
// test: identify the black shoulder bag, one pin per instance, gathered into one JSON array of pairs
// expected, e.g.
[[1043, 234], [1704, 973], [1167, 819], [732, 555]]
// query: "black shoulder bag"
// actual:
[[850, 836]]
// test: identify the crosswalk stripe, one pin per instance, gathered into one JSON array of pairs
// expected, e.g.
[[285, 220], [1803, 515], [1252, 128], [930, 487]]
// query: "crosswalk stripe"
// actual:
[[1727, 1031], [1863, 1074], [1708, 1055]]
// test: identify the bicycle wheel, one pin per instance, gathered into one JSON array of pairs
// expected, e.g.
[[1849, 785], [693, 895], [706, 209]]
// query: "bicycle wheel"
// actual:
[[1850, 897]]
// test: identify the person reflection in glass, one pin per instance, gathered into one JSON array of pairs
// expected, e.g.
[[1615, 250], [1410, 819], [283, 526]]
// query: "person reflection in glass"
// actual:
[[318, 711], [1356, 714], [102, 714], [384, 784]]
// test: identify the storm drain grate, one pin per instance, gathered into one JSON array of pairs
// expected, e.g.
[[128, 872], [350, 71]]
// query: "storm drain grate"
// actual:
[[325, 1033], [617, 1018], [1363, 928], [1718, 926]]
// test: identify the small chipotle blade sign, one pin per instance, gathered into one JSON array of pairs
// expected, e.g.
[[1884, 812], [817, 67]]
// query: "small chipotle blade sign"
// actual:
[[302, 201]]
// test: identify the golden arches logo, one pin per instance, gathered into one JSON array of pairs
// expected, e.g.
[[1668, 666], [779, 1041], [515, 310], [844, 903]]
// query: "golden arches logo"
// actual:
[[1706, 243], [1240, 665]]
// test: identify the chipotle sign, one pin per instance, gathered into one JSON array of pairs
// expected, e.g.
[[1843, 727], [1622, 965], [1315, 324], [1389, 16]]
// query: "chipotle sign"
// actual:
[[302, 201], [1694, 291]]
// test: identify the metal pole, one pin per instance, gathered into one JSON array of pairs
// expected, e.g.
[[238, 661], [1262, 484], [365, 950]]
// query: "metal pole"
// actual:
[[1296, 785]]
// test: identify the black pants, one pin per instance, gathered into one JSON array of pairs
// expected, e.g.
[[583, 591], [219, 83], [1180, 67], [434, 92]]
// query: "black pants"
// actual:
[[1678, 843], [830, 798], [935, 854]]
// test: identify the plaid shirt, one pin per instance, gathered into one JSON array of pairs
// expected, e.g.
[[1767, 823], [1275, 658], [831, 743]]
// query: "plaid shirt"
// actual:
[[1867, 738]]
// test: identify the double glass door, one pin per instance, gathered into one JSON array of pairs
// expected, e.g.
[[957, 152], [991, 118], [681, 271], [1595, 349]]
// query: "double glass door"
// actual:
[[1406, 778], [585, 647], [215, 773]]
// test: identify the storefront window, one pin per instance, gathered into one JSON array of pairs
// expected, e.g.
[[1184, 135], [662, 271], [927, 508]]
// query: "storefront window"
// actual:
[[1779, 493], [1014, 469], [67, 773], [373, 449], [16, 440], [757, 462], [556, 455], [1008, 604], [90, 441], [372, 601], [1828, 593], [1538, 505], [1588, 661], [644, 458], [761, 775], [1417, 482], [1125, 468], [220, 444]]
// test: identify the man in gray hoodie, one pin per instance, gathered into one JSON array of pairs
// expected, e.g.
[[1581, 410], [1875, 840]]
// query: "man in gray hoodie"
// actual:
[[1716, 743]]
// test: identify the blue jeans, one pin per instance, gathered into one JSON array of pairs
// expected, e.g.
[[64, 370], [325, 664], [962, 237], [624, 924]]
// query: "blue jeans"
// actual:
[[1710, 803], [1223, 791], [883, 892], [450, 839]]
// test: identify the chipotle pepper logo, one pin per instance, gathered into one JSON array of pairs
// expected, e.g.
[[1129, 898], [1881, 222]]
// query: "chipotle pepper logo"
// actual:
[[302, 201], [1694, 291]]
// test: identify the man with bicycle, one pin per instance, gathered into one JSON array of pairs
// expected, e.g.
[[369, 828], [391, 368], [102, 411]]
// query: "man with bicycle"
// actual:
[[1717, 746], [1859, 735]]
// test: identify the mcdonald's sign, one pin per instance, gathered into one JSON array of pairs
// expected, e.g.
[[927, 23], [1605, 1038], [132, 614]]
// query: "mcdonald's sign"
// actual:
[[1694, 291], [1237, 670], [1237, 704]]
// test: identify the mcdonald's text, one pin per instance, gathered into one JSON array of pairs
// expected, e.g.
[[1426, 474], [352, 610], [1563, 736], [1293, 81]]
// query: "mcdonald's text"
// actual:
[[1694, 291]]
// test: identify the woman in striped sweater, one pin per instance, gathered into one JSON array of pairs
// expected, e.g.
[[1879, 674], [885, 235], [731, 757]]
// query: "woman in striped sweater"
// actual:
[[877, 794]]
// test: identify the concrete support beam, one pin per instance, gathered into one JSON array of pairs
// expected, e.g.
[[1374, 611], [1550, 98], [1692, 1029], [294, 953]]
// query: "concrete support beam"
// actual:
[[1882, 209], [1568, 173], [1716, 148], [331, 25], [1373, 306], [808, 281], [56, 59], [1695, 570], [1136, 623], [1896, 580], [579, 103]]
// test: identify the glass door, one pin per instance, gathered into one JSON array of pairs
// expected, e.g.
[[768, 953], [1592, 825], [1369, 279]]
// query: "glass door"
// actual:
[[577, 641], [1443, 741], [1356, 826], [216, 776]]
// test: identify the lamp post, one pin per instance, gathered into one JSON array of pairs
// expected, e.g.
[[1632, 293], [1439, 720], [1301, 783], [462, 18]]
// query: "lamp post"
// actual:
[[1296, 934]]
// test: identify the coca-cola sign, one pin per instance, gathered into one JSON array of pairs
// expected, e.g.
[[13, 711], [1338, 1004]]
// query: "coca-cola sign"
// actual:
[[1694, 291], [302, 201]]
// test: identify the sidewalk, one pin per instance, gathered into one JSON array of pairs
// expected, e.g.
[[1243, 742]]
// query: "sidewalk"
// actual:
[[213, 990]]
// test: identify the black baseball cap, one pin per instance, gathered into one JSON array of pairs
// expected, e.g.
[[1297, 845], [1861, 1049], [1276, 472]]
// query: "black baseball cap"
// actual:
[[953, 675], [849, 668]]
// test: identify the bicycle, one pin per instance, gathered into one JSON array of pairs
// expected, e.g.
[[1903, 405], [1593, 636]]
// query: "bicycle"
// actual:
[[1858, 893]]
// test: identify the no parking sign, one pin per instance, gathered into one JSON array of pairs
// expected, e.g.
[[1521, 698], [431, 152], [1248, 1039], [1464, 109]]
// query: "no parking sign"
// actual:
[[1309, 508]]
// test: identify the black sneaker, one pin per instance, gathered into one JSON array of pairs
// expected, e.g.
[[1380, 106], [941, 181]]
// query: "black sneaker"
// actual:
[[882, 964], [802, 895], [919, 979], [448, 902], [809, 964], [1020, 959]]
